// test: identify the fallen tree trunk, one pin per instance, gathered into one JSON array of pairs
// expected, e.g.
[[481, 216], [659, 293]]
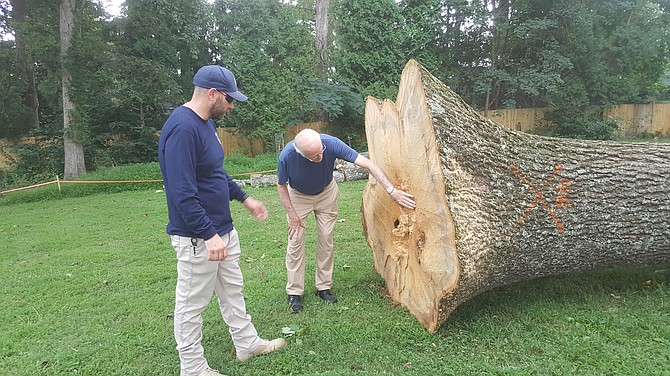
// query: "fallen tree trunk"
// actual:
[[496, 206]]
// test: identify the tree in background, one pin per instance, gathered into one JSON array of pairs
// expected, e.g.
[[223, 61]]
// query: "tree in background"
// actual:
[[367, 50], [428, 32], [159, 44], [321, 36], [150, 56], [616, 51], [321, 27], [23, 65], [14, 114], [20, 104], [568, 55], [73, 137], [269, 45]]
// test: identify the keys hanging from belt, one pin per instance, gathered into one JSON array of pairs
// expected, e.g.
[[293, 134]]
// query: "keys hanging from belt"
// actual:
[[194, 243]]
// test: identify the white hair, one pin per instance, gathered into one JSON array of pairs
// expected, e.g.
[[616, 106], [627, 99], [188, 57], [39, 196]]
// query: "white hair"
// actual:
[[305, 138]]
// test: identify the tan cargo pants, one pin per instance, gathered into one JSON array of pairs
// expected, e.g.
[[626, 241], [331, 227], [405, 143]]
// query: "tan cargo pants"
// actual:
[[324, 206], [197, 279]]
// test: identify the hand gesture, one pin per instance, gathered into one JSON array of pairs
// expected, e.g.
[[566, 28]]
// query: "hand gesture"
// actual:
[[256, 208]]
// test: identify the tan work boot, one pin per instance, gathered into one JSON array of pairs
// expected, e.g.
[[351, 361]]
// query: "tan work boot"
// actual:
[[210, 372], [265, 347]]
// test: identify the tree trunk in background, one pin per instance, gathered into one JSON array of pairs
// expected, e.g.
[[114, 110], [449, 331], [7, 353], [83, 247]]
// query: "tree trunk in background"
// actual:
[[499, 16], [25, 62], [321, 25], [322, 38], [497, 206], [74, 150]]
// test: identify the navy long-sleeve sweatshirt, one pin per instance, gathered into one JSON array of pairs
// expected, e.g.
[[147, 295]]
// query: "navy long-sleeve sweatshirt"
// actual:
[[197, 188]]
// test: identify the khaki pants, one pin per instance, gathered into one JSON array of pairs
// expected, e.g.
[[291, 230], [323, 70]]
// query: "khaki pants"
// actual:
[[324, 206], [197, 279]]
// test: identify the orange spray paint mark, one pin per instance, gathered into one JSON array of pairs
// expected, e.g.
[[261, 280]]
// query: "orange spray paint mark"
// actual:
[[561, 200], [561, 191]]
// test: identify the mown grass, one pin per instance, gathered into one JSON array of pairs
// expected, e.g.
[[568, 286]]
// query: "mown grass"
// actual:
[[88, 288]]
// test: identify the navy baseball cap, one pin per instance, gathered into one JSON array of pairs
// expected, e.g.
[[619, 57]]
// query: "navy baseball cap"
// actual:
[[219, 78]]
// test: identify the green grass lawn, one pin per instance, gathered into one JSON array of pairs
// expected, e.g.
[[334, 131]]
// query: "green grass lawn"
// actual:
[[87, 288]]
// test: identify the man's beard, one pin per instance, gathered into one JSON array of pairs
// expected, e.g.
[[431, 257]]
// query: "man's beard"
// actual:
[[217, 112]]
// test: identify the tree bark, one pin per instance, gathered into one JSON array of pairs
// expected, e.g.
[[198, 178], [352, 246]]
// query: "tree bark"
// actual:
[[321, 42], [321, 46], [74, 149], [496, 206]]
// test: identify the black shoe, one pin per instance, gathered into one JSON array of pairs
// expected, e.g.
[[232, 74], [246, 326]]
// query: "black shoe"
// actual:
[[295, 302], [327, 296]]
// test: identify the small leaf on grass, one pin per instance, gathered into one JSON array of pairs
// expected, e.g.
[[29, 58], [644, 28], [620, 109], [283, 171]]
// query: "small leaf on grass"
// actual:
[[291, 330], [287, 331]]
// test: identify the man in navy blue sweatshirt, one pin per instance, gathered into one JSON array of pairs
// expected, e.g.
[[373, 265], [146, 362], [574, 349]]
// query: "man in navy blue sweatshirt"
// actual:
[[198, 192]]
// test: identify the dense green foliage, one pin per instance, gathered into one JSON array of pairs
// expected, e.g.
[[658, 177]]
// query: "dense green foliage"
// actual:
[[88, 289], [269, 47], [368, 55], [129, 72]]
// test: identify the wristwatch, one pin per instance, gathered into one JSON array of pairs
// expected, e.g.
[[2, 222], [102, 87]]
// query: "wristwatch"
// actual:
[[390, 189]]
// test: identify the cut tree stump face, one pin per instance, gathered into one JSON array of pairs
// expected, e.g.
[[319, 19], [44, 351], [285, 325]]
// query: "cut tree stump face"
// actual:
[[496, 206]]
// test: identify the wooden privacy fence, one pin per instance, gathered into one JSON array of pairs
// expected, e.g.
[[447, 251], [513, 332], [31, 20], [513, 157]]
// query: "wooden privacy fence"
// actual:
[[521, 119], [234, 142], [633, 119]]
